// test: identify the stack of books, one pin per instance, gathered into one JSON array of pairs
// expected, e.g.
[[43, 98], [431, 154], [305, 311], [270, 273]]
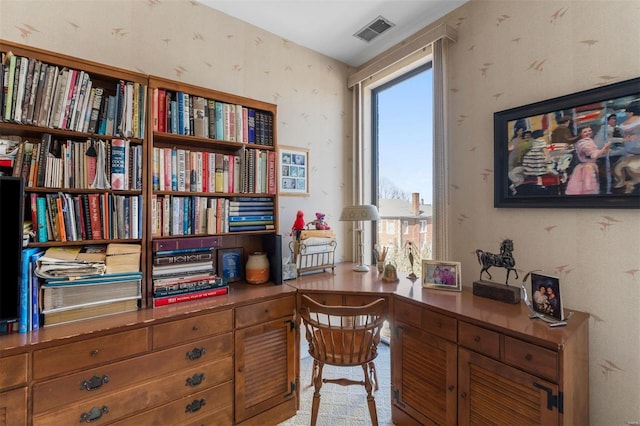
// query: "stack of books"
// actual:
[[184, 270], [251, 214]]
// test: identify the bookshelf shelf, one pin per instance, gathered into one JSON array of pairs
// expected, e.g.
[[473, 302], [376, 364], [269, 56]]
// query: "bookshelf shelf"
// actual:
[[58, 108], [202, 154]]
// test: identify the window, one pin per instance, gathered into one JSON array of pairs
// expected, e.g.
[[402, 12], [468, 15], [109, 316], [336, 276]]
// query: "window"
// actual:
[[391, 227], [402, 162], [423, 226]]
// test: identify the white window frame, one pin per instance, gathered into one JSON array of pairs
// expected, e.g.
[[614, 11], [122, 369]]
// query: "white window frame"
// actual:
[[429, 44]]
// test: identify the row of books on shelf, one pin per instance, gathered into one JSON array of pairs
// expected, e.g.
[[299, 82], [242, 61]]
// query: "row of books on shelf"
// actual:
[[184, 114], [98, 216], [62, 284], [173, 215], [181, 275], [41, 94], [91, 164], [177, 169]]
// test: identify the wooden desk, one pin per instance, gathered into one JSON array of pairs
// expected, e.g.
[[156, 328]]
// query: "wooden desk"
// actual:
[[457, 358]]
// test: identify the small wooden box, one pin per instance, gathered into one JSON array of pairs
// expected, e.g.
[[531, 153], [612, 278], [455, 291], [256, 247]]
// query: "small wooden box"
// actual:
[[501, 292]]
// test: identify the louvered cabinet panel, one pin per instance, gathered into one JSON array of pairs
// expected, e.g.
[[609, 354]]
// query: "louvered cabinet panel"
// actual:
[[425, 376], [265, 367], [494, 394]]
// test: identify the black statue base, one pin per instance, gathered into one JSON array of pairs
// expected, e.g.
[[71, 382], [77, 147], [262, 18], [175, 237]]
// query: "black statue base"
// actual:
[[501, 292]]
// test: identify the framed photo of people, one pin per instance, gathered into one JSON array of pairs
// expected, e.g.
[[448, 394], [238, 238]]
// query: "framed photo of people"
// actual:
[[294, 171], [580, 150], [441, 275], [545, 290]]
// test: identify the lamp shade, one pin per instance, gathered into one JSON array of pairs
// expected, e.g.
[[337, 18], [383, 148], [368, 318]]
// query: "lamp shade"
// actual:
[[365, 212]]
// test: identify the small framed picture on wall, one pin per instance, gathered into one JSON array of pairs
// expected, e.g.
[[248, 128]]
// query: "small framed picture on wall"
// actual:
[[294, 171]]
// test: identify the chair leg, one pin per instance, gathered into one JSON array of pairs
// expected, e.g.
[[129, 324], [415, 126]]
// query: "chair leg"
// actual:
[[374, 375], [371, 402], [317, 382]]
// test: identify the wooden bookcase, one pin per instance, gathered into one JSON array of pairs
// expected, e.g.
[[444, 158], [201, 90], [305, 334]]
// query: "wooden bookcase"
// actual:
[[40, 125], [207, 133], [220, 344]]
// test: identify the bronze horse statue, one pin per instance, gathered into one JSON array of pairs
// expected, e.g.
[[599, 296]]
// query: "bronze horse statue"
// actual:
[[503, 260]]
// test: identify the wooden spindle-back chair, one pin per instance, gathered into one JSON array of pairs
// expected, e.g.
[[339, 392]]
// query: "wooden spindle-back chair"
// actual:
[[343, 336]]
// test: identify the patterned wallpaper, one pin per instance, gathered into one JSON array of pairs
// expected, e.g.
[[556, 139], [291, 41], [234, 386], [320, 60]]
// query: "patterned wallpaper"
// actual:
[[508, 53], [512, 53], [186, 41]]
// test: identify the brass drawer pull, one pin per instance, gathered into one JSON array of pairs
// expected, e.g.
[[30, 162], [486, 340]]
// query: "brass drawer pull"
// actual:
[[195, 380], [94, 414], [195, 405], [94, 383], [195, 353]]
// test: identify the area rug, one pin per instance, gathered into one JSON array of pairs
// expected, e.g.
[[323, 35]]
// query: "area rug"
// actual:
[[344, 405]]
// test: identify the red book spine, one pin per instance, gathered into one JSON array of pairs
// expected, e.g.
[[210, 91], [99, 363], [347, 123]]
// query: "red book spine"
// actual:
[[95, 216], [187, 297], [162, 110]]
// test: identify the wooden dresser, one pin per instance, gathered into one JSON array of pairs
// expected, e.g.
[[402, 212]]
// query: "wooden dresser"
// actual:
[[461, 359], [191, 363]]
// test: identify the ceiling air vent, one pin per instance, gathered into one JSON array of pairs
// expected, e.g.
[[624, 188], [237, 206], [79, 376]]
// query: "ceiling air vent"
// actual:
[[374, 29]]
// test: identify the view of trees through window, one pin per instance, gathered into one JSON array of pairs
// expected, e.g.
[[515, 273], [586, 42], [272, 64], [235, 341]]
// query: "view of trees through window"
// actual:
[[402, 117]]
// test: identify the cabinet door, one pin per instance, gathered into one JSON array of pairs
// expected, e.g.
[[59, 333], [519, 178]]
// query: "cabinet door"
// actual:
[[492, 393], [13, 407], [424, 376], [265, 367]]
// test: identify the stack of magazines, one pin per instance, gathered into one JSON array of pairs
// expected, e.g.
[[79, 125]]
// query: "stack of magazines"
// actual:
[[76, 284]]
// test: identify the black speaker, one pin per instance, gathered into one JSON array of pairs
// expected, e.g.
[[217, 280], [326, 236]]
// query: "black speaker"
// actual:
[[11, 223], [273, 248]]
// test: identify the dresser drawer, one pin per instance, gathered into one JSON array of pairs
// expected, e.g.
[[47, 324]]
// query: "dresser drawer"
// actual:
[[198, 327], [88, 353], [479, 339], [162, 390], [262, 312], [214, 403], [118, 375], [534, 359], [407, 313], [14, 370], [440, 325], [13, 407]]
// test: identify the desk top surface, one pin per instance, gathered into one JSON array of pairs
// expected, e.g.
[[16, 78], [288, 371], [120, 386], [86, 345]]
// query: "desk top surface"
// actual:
[[464, 305]]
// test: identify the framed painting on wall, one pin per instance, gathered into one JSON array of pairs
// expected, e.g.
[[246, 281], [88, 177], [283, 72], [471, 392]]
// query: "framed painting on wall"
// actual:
[[294, 171], [580, 150]]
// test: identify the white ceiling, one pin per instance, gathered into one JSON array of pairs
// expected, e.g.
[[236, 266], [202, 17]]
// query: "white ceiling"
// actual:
[[327, 26]]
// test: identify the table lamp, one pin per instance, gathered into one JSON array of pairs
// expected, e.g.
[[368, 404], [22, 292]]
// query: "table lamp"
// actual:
[[359, 214]]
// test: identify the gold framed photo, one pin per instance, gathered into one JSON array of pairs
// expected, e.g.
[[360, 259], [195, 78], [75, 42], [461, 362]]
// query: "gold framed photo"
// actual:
[[443, 275]]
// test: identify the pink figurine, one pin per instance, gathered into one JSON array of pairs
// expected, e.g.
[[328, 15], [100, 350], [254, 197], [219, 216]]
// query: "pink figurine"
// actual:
[[320, 223]]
